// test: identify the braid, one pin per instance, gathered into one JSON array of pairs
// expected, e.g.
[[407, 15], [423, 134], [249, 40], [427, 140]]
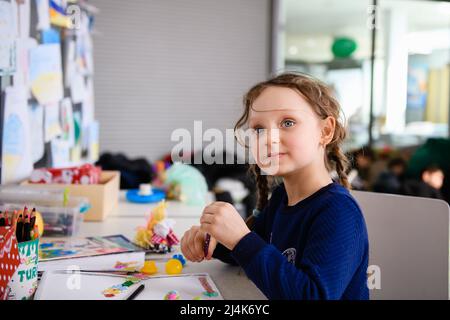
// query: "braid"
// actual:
[[262, 185], [341, 163]]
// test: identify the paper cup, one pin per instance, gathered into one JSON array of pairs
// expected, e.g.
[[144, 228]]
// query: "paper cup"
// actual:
[[24, 282]]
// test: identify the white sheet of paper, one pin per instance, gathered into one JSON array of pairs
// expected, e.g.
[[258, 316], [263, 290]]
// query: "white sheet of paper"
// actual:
[[24, 18], [43, 11], [88, 103], [77, 88], [93, 144], [60, 153], [37, 127], [103, 262], [69, 63], [46, 73], [67, 123], [65, 286], [16, 161], [8, 33], [52, 127], [21, 76]]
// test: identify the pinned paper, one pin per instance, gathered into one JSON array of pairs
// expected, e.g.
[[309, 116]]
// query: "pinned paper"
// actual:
[[43, 11], [16, 162], [21, 76], [78, 88], [50, 36], [58, 14], [93, 147], [37, 129], [46, 73], [67, 122], [60, 152], [23, 8], [52, 127], [8, 32], [69, 62]]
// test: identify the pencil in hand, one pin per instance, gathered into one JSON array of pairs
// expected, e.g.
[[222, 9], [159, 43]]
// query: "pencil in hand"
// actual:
[[206, 244]]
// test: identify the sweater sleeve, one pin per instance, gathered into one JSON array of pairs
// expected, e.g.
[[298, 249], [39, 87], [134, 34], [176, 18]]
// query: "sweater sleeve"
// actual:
[[335, 249]]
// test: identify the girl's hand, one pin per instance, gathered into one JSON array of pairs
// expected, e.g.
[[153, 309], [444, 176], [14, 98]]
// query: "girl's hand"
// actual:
[[192, 245], [224, 223]]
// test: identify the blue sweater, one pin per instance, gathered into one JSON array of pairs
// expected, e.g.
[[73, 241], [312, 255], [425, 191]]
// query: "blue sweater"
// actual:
[[316, 249]]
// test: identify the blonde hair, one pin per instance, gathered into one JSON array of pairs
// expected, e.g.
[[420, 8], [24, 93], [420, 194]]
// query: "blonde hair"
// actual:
[[320, 98]]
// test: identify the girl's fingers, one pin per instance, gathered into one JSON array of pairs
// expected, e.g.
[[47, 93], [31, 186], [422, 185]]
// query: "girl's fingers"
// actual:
[[198, 243], [206, 218], [196, 253], [211, 248], [185, 248], [214, 207], [187, 244]]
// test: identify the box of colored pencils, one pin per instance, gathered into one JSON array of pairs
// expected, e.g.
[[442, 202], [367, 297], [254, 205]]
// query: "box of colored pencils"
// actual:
[[62, 214]]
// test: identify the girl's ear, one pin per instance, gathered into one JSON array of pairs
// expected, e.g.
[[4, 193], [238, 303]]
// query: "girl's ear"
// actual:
[[328, 127]]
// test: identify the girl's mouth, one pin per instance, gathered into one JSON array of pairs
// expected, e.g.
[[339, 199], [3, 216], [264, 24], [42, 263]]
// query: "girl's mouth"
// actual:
[[276, 155]]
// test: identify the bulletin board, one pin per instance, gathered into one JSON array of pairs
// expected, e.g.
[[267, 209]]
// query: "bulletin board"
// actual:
[[46, 82]]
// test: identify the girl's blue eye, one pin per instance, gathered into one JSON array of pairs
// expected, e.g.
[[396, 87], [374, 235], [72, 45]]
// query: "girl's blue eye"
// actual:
[[287, 123]]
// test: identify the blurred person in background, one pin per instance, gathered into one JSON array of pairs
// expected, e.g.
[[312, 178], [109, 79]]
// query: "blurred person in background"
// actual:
[[359, 175], [429, 185], [391, 180]]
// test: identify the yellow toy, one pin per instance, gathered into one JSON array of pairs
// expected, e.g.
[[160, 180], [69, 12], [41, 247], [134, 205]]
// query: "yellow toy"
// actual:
[[149, 267], [157, 235], [174, 266]]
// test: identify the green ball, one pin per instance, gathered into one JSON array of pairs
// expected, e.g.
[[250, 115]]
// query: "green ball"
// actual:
[[343, 47]]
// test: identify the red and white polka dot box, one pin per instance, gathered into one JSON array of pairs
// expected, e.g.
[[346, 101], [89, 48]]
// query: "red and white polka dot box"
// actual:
[[9, 259]]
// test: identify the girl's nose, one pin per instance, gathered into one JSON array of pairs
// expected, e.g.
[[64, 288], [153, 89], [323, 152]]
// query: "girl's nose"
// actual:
[[273, 136]]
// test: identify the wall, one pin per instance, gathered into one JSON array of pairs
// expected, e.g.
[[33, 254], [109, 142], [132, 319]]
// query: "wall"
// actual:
[[161, 64]]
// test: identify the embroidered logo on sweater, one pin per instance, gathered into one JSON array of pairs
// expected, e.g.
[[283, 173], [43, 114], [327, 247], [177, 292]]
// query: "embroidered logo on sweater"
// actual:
[[290, 255]]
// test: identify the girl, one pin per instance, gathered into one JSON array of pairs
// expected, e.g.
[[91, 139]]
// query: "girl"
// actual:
[[309, 241]]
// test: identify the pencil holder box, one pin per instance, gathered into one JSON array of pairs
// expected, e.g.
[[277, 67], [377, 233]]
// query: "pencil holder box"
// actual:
[[18, 266], [103, 197], [61, 218]]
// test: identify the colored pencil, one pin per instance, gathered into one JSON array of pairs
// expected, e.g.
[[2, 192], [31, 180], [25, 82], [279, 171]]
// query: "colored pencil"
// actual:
[[19, 228], [26, 228]]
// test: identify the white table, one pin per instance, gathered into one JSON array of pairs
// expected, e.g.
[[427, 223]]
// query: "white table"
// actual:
[[231, 280]]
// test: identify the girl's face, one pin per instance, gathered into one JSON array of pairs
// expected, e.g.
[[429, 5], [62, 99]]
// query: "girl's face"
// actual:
[[286, 132]]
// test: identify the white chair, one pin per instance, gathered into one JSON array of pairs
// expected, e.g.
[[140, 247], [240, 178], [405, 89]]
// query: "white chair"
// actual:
[[409, 242]]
